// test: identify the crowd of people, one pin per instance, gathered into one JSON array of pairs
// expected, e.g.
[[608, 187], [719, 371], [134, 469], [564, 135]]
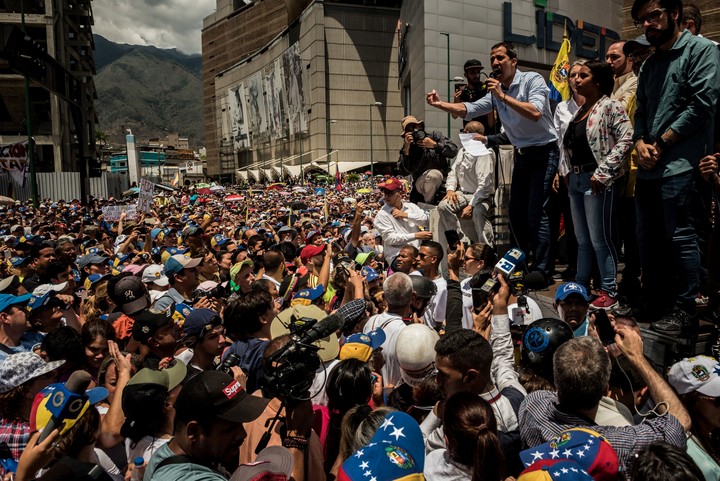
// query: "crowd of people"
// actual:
[[312, 333]]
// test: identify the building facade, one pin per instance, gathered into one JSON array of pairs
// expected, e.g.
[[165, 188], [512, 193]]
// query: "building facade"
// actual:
[[305, 99], [63, 123]]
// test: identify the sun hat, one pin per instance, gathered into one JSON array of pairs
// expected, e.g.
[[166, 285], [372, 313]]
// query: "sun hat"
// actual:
[[17, 369]]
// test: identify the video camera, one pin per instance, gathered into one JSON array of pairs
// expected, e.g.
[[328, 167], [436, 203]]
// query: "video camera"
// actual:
[[288, 371], [217, 292]]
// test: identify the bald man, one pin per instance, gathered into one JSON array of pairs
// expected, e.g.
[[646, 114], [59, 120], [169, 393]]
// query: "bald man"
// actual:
[[470, 188]]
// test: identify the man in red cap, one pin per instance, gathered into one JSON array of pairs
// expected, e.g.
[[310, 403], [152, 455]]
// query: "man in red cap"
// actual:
[[399, 223], [316, 259]]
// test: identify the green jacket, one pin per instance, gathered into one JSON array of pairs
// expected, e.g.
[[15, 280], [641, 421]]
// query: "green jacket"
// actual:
[[678, 90]]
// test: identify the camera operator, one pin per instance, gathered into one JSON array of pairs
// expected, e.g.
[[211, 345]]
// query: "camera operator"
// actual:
[[475, 89], [425, 157]]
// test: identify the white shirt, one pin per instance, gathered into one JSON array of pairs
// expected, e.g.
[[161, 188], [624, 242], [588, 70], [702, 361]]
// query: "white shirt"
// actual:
[[435, 310], [472, 175], [564, 113], [397, 233], [271, 279], [392, 325]]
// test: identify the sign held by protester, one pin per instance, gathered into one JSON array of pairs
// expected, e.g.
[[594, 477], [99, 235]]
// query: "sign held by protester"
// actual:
[[145, 200], [112, 213], [14, 160]]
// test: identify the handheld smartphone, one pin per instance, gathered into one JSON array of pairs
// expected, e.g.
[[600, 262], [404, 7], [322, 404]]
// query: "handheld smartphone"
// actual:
[[453, 239], [480, 298], [459, 87], [604, 328]]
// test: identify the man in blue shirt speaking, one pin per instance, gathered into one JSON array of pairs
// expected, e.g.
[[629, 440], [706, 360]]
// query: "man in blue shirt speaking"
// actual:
[[521, 100]]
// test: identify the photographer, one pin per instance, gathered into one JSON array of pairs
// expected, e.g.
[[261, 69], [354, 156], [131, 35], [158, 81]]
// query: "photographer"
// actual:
[[475, 89], [425, 157]]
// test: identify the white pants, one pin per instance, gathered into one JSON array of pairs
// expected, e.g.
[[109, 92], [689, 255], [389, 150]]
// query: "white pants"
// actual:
[[478, 229], [428, 184]]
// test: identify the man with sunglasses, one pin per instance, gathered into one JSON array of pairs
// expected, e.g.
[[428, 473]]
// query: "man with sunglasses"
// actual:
[[677, 97]]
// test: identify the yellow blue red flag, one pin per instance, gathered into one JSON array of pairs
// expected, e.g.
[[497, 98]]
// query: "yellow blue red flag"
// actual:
[[560, 71]]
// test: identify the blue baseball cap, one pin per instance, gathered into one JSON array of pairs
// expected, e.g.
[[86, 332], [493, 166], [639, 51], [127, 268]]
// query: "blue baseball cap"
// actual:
[[219, 240], [17, 261], [571, 288], [38, 303], [7, 300], [177, 250], [310, 294], [369, 273], [201, 321]]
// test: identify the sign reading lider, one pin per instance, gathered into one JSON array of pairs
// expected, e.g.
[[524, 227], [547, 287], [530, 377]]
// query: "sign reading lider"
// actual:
[[587, 40]]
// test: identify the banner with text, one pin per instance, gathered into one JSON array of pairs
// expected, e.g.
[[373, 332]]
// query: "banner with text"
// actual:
[[14, 160], [145, 200]]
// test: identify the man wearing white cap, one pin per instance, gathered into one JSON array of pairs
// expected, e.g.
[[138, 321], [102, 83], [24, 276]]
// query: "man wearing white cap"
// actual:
[[697, 381], [156, 281]]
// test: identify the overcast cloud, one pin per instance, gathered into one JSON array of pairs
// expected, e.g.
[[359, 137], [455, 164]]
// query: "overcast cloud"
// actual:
[[163, 23]]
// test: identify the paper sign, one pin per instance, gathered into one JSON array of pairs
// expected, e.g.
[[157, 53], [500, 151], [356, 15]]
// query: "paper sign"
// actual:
[[112, 212], [145, 201], [473, 147], [14, 160]]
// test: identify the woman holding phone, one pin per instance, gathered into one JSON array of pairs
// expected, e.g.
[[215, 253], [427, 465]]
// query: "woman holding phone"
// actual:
[[596, 146]]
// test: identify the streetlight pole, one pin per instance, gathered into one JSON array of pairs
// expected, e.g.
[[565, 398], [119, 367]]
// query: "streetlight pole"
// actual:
[[447, 35], [327, 142], [372, 160], [28, 126]]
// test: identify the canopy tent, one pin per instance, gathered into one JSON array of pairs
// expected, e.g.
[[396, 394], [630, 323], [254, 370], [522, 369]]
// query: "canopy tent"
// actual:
[[293, 170], [276, 170], [342, 166], [242, 174], [255, 174], [269, 174]]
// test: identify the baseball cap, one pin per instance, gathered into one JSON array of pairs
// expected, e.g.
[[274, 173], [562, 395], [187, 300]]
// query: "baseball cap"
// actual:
[[191, 230], [130, 294], [154, 273], [415, 351], [178, 262], [472, 63], [9, 283], [566, 469], [396, 452], [168, 378], [7, 300], [217, 395], [361, 346], [590, 450], [311, 235], [43, 289], [700, 373], [237, 267], [17, 369], [409, 120], [311, 251], [149, 321], [93, 279], [38, 304], [391, 185], [369, 273], [570, 288], [218, 240], [200, 321], [631, 45], [89, 259], [310, 294], [329, 347], [274, 463], [17, 261], [177, 250]]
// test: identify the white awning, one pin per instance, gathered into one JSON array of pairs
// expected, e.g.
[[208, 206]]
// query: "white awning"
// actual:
[[276, 171], [255, 174], [346, 166], [269, 174], [242, 174], [293, 170]]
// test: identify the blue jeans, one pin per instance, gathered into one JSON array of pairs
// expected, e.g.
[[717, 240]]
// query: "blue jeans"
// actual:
[[593, 218], [669, 252], [532, 177]]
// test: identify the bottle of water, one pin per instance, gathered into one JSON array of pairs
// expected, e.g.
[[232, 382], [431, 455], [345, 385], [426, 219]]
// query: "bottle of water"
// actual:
[[138, 472]]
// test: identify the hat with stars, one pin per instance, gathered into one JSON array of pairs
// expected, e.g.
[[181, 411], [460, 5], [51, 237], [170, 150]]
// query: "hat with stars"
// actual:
[[555, 470], [590, 450], [396, 452]]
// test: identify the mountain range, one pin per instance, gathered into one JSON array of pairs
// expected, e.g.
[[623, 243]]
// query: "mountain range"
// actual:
[[150, 90]]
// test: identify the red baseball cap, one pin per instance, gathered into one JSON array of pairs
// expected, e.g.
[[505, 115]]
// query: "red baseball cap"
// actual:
[[311, 251], [392, 184]]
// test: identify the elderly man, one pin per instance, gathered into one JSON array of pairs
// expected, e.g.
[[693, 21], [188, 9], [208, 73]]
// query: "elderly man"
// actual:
[[470, 188], [399, 223]]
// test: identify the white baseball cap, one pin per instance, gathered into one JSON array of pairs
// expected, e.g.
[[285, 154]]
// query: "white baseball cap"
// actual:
[[700, 373], [155, 273]]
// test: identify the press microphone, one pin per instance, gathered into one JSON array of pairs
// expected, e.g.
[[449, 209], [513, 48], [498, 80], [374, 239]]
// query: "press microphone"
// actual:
[[506, 265], [494, 74], [66, 402], [322, 329]]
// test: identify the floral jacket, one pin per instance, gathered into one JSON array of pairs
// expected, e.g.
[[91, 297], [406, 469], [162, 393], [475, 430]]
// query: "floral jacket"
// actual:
[[609, 134]]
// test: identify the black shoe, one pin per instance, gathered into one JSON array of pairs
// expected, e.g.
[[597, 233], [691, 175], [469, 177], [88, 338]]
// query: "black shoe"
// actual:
[[674, 323]]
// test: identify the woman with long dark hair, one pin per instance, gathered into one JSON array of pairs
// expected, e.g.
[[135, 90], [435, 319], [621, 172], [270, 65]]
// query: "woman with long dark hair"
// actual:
[[473, 449], [597, 144]]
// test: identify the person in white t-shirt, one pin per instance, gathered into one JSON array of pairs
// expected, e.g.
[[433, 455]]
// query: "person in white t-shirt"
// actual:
[[431, 253]]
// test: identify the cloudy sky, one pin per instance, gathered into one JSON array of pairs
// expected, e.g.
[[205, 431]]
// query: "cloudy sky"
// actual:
[[163, 23]]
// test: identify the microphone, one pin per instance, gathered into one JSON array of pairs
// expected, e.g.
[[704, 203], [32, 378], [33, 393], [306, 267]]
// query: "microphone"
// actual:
[[66, 402], [322, 329], [494, 74], [506, 265]]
